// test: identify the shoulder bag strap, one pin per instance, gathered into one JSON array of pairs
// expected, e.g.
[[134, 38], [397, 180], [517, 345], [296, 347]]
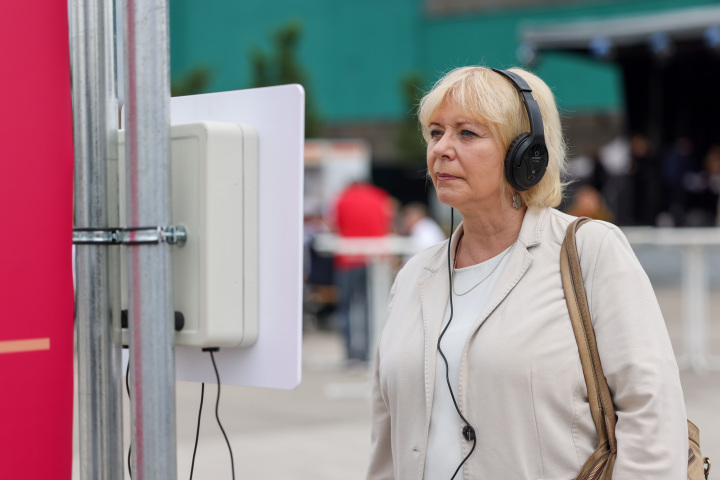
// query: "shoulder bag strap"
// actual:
[[601, 406]]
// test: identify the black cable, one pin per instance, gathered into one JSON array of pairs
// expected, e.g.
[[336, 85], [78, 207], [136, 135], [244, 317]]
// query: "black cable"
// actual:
[[468, 430], [127, 387], [217, 416], [197, 433]]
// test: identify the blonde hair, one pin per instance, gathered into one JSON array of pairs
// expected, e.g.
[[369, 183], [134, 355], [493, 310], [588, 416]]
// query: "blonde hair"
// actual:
[[486, 96]]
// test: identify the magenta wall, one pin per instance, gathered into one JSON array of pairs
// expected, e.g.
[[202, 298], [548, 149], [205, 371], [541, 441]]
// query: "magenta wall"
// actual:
[[36, 297]]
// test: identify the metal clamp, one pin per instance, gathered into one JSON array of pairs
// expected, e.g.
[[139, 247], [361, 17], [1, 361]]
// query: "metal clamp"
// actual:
[[95, 236], [173, 235]]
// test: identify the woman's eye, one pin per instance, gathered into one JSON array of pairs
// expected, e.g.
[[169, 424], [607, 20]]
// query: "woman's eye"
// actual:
[[435, 133], [467, 133]]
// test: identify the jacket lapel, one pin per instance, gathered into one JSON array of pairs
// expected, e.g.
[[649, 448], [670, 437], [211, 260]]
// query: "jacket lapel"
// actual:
[[434, 291]]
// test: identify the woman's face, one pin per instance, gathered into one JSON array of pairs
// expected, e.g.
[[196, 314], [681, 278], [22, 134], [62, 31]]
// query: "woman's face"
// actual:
[[464, 160]]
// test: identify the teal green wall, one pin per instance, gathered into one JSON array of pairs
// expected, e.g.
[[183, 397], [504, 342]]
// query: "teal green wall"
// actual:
[[493, 40], [356, 53], [582, 84]]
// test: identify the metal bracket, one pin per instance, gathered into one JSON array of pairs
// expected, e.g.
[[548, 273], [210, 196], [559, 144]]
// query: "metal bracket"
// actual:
[[173, 235]]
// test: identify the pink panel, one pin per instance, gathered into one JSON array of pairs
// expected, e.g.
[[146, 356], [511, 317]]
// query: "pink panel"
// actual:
[[36, 297]]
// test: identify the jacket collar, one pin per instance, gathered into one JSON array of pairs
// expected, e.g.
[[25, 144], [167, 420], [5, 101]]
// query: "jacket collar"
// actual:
[[529, 236]]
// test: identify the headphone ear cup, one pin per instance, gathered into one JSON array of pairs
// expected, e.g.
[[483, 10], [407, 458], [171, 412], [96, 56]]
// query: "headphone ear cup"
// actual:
[[513, 159]]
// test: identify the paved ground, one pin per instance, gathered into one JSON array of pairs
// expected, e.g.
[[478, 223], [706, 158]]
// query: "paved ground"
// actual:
[[321, 430]]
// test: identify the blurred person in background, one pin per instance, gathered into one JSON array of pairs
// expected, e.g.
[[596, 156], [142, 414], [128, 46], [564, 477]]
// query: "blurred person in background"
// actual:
[[588, 202], [319, 292], [703, 188], [361, 210], [586, 169], [423, 231], [477, 373], [616, 159], [677, 162], [647, 180]]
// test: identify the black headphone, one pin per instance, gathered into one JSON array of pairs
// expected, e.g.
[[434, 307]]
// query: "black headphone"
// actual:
[[527, 157]]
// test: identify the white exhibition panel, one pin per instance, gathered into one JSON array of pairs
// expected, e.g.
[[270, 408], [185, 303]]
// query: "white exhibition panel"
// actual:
[[277, 115]]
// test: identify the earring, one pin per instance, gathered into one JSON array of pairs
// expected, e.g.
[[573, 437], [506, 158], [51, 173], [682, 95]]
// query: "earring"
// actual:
[[517, 201]]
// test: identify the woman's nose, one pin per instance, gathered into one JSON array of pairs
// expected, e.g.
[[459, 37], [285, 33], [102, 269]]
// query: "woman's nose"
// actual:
[[444, 148]]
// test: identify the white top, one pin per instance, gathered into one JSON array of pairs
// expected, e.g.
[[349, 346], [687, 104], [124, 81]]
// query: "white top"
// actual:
[[444, 450]]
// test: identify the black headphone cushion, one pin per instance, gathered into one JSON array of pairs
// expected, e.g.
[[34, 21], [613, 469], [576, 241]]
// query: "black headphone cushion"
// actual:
[[513, 158], [525, 162]]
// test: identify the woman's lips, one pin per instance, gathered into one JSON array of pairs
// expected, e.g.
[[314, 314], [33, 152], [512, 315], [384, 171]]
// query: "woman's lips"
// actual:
[[443, 177]]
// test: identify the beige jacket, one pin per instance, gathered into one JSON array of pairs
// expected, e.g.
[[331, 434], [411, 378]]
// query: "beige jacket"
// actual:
[[521, 384]]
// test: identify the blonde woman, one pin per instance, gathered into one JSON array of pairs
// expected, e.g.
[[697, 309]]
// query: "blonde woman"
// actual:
[[477, 374]]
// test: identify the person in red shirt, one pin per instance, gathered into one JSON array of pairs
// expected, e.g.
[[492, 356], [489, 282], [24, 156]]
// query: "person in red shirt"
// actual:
[[361, 210]]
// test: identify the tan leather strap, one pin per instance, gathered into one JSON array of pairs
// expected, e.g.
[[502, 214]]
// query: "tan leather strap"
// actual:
[[601, 406]]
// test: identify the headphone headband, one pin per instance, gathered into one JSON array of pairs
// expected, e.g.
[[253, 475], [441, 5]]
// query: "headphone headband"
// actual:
[[532, 108]]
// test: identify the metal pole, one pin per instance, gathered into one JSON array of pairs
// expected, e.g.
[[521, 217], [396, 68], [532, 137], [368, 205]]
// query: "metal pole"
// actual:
[[147, 126], [98, 341]]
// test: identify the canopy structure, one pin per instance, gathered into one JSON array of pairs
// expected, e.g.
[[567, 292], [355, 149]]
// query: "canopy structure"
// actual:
[[668, 60], [602, 37]]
